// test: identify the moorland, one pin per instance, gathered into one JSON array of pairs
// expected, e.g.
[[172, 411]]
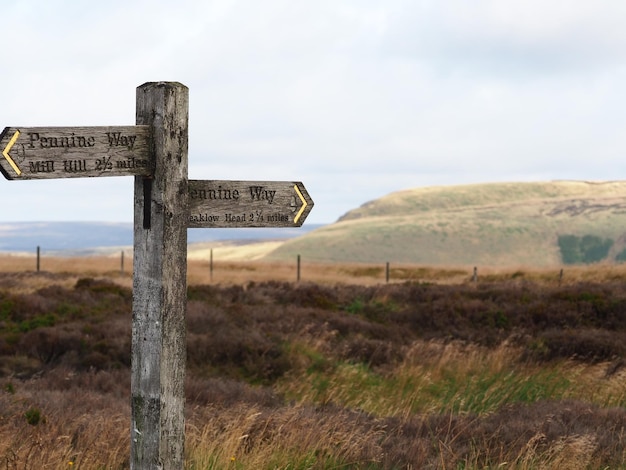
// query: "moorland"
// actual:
[[523, 368], [542, 224]]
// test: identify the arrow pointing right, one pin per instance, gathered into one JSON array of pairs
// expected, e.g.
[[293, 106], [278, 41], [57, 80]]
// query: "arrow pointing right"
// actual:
[[304, 204], [216, 203]]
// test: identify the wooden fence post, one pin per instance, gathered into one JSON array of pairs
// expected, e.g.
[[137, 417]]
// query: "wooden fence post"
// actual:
[[298, 272], [122, 263], [160, 282], [387, 272], [38, 258]]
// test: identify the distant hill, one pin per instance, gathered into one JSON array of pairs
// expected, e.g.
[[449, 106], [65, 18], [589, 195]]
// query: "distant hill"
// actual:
[[73, 237], [90, 238], [496, 224]]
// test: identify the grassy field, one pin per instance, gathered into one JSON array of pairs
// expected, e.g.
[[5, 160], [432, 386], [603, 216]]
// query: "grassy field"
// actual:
[[522, 369], [239, 265]]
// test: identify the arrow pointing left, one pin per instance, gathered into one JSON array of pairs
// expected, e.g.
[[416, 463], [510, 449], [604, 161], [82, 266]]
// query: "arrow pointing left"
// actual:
[[75, 152], [7, 156]]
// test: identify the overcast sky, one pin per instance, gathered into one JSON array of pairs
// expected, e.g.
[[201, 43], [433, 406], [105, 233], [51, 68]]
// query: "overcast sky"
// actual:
[[355, 98]]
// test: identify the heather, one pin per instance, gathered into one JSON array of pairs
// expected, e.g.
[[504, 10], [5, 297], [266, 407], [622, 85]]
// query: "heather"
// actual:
[[513, 371]]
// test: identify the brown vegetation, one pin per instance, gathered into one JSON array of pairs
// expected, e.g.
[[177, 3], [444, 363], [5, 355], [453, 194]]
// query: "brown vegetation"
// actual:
[[514, 371]]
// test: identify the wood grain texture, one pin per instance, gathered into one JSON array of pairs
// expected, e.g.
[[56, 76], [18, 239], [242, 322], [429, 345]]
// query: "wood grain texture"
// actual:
[[215, 203], [74, 152], [159, 282]]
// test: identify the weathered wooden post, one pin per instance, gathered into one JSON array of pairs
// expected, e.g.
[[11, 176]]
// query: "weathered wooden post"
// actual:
[[387, 272], [38, 258], [122, 263], [211, 266], [298, 270], [166, 203], [159, 282]]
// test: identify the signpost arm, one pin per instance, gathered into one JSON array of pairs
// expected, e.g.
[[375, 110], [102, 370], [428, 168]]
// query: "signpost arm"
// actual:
[[159, 282]]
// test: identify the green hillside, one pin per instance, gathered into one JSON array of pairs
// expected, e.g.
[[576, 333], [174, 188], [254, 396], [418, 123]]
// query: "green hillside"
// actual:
[[496, 224]]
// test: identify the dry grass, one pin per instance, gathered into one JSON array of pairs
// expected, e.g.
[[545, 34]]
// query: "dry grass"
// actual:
[[224, 272], [344, 372], [62, 271], [243, 272], [73, 422], [249, 437], [231, 251], [452, 377], [235, 265]]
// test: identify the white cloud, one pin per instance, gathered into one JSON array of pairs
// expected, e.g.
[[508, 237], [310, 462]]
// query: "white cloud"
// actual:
[[509, 38], [354, 98]]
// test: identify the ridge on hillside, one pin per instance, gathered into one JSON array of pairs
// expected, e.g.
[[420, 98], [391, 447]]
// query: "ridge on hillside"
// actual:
[[437, 198], [496, 224]]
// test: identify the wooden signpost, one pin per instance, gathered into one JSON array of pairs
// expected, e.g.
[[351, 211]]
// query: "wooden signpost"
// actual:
[[229, 204], [165, 205], [71, 152]]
